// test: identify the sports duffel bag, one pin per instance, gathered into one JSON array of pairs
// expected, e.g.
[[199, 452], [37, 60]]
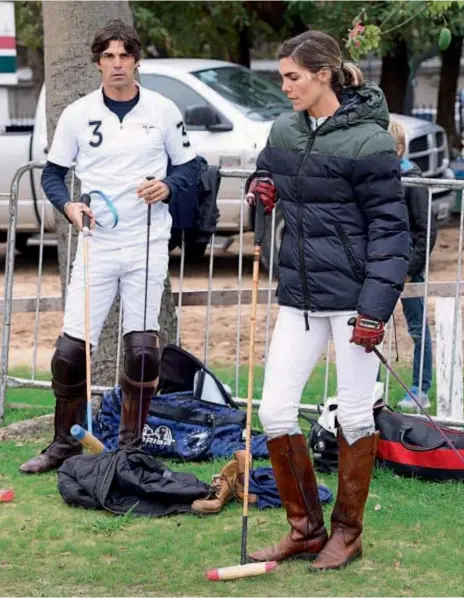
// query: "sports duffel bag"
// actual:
[[193, 417], [408, 445], [411, 446]]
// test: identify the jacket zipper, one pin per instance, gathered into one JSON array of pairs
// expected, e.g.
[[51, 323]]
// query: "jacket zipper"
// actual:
[[306, 294], [304, 282]]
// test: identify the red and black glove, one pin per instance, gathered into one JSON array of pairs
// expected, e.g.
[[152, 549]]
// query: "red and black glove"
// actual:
[[367, 332], [262, 188]]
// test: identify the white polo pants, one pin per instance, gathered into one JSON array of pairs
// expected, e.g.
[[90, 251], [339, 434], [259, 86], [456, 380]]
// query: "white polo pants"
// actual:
[[294, 352], [113, 268]]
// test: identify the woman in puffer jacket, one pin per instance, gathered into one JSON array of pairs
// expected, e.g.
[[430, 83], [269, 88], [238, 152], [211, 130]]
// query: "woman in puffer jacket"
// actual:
[[333, 167]]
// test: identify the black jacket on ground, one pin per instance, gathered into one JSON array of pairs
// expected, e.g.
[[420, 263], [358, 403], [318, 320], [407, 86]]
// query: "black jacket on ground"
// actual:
[[121, 480], [417, 203]]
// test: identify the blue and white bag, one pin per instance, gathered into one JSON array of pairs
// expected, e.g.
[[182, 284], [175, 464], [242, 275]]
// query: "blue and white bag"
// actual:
[[182, 423]]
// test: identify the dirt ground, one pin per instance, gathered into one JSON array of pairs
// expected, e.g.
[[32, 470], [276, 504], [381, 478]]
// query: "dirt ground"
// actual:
[[222, 329]]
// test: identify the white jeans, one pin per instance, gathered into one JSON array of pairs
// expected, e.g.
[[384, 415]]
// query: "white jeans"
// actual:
[[111, 269], [294, 352]]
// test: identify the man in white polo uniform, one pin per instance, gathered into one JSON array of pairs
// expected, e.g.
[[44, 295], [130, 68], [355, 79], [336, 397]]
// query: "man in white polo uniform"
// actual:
[[120, 138]]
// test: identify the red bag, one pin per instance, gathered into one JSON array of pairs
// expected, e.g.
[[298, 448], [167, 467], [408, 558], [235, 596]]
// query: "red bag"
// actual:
[[411, 446]]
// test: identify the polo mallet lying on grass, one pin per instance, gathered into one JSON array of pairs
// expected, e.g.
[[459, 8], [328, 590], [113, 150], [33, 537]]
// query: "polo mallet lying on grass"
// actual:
[[250, 569], [352, 322]]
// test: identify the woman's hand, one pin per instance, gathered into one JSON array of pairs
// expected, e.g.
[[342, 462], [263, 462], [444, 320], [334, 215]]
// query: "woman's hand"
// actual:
[[367, 332], [262, 189]]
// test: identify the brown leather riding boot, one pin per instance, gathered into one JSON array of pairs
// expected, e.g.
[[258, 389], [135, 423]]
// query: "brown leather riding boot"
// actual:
[[138, 384], [298, 491], [134, 410], [355, 467], [69, 410]]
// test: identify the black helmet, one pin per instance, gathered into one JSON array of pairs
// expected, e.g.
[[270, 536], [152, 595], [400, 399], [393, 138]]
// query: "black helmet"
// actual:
[[324, 446]]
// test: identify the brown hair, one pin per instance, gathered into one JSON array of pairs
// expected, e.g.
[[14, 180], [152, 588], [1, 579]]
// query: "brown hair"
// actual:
[[315, 50], [397, 132], [116, 30]]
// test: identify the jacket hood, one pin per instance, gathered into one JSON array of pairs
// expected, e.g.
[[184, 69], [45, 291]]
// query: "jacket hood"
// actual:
[[364, 104]]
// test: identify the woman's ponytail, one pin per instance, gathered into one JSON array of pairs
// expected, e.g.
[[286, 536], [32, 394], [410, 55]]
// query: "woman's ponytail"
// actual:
[[352, 75]]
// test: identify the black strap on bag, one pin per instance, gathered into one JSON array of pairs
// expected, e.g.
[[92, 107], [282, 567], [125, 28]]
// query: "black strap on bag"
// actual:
[[414, 447]]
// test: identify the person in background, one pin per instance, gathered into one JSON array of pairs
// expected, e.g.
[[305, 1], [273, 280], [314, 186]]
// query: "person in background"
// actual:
[[413, 308]]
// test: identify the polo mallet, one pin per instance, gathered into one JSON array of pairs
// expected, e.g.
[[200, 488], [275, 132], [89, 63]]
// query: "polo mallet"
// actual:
[[250, 569], [352, 322], [85, 199], [87, 440], [147, 264]]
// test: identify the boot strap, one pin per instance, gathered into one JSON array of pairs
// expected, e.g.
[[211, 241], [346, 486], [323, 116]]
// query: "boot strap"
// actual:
[[69, 390], [133, 387]]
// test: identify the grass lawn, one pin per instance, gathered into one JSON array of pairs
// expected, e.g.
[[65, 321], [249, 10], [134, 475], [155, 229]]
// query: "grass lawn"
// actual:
[[413, 543]]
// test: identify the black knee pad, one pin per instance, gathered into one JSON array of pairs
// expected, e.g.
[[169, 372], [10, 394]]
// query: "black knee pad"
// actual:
[[134, 351], [68, 361]]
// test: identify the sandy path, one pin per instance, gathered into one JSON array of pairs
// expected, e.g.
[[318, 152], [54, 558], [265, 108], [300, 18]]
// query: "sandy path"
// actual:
[[223, 320]]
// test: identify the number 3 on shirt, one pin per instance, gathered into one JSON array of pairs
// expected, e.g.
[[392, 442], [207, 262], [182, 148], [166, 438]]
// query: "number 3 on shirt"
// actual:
[[185, 142], [97, 137]]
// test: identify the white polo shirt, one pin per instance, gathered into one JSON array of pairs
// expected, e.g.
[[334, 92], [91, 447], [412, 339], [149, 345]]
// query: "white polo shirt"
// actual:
[[115, 157]]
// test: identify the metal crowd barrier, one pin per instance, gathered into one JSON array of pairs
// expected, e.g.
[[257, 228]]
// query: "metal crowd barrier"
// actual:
[[447, 298]]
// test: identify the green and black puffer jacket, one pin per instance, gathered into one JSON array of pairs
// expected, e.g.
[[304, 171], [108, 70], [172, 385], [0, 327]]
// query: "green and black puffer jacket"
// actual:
[[346, 238]]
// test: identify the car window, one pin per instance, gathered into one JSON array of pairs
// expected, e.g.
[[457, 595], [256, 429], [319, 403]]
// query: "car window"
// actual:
[[180, 93], [255, 97]]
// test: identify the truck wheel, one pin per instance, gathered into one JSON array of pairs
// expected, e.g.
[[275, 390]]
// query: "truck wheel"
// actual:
[[21, 243], [267, 242]]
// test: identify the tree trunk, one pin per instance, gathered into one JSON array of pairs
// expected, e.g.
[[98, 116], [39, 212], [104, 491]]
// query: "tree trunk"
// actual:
[[394, 78], [415, 64], [449, 75], [69, 28], [273, 14], [244, 47]]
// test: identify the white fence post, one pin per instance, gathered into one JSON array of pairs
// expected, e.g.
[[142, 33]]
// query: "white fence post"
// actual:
[[449, 404]]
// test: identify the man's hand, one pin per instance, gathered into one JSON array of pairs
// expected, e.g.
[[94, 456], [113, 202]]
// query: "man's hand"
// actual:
[[152, 191], [74, 210], [262, 189], [367, 332]]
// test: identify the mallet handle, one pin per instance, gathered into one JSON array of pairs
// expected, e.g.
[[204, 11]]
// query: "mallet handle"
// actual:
[[85, 198]]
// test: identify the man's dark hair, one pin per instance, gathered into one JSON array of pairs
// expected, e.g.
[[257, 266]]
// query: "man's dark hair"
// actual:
[[116, 30]]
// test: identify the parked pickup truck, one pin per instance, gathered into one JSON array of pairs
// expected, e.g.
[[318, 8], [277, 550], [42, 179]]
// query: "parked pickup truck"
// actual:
[[228, 111]]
